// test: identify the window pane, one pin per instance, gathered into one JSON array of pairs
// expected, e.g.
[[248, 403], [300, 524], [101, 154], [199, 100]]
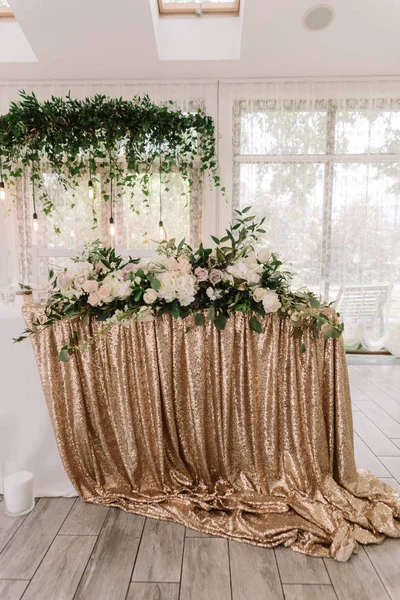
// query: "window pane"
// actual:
[[366, 231], [279, 132], [55, 263], [137, 219], [73, 216], [367, 132], [197, 1], [290, 195]]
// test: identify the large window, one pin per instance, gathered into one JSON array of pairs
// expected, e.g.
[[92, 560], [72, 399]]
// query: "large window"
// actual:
[[5, 11], [197, 7], [76, 220], [328, 180]]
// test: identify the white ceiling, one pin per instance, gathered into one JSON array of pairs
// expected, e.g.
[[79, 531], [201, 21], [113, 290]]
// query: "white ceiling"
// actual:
[[115, 39]]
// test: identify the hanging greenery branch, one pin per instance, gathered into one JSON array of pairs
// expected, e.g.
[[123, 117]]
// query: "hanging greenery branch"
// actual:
[[124, 137]]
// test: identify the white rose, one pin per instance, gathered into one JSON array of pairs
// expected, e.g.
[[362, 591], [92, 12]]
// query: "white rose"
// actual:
[[144, 314], [150, 296], [295, 316], [259, 294], [264, 255], [271, 302]]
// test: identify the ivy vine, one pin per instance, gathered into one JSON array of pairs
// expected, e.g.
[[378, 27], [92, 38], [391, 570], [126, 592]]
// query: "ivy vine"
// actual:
[[125, 138]]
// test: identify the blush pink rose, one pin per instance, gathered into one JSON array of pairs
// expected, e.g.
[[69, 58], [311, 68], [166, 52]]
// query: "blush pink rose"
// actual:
[[63, 281], [104, 291], [215, 276], [201, 274], [79, 280], [172, 264], [184, 265], [127, 270], [90, 286], [94, 299]]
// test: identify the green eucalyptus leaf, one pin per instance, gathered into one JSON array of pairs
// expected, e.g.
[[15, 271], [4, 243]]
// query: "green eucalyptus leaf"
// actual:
[[211, 313], [199, 319], [64, 355], [256, 325], [175, 311], [220, 321], [314, 302], [156, 284]]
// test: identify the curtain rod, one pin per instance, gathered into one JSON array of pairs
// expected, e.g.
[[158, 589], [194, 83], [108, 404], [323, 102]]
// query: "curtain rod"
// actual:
[[215, 81]]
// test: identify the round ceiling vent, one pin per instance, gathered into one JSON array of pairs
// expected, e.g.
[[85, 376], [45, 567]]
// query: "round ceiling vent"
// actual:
[[318, 17]]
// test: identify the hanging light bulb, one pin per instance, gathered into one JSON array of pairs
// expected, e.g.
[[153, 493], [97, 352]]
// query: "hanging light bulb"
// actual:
[[2, 191], [112, 227], [90, 190], [35, 223], [162, 234]]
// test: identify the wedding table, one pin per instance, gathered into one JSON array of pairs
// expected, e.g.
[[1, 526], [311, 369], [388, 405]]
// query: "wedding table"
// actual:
[[26, 433], [231, 432]]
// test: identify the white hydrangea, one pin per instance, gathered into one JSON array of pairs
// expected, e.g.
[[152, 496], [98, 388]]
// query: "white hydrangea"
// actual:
[[247, 269], [176, 285]]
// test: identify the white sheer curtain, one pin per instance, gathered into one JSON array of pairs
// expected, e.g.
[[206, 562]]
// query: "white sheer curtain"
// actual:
[[322, 160], [190, 215]]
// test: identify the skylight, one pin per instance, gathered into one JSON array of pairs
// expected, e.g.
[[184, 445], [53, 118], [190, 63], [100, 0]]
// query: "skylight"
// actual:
[[190, 7], [5, 10]]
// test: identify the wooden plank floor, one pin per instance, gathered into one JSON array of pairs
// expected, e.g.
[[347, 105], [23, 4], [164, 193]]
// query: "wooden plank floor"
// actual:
[[68, 550]]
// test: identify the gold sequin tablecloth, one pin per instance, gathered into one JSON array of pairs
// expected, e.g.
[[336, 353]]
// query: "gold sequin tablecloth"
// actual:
[[228, 432]]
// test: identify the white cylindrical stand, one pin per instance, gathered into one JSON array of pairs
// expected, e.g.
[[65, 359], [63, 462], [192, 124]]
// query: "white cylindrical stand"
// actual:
[[18, 493]]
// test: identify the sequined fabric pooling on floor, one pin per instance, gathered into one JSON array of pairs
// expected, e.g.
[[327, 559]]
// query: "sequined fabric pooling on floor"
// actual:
[[228, 432]]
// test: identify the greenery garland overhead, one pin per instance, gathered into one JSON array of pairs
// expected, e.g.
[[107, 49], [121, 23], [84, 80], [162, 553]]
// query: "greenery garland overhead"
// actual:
[[123, 137]]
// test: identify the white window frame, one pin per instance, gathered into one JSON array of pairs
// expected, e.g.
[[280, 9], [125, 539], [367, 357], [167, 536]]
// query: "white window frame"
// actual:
[[230, 163], [206, 8]]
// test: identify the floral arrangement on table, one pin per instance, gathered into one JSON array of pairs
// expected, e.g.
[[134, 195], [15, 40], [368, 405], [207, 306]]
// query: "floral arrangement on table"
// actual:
[[209, 283]]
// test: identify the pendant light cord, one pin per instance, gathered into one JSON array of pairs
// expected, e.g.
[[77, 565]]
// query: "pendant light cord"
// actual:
[[160, 219], [111, 198], [33, 197]]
